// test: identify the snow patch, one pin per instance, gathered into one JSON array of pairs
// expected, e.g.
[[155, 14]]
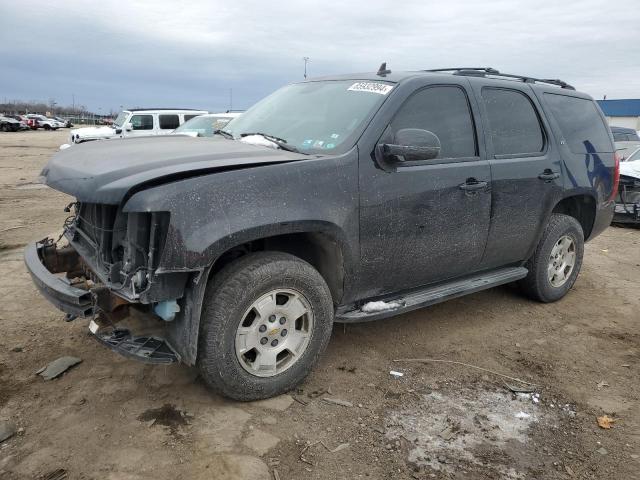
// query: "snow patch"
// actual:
[[445, 429], [380, 306], [259, 140]]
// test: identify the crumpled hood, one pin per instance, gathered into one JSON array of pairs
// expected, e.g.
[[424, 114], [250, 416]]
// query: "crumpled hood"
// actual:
[[103, 172], [630, 169]]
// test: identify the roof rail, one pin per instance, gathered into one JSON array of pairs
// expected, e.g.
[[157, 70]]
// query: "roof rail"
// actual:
[[488, 71]]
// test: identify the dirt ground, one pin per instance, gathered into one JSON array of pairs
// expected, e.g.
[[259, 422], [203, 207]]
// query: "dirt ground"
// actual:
[[113, 418]]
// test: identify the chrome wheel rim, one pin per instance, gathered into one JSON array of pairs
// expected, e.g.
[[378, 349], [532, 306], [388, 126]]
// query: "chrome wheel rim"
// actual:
[[274, 332], [561, 261]]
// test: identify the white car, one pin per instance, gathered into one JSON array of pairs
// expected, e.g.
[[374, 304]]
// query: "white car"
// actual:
[[137, 122], [205, 125], [45, 122]]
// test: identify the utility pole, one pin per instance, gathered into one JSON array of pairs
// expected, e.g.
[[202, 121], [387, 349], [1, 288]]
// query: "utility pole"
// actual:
[[306, 60]]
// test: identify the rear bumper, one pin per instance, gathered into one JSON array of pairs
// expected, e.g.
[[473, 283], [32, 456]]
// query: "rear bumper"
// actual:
[[71, 300]]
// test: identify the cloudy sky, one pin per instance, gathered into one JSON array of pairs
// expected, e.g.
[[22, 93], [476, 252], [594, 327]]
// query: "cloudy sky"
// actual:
[[168, 53]]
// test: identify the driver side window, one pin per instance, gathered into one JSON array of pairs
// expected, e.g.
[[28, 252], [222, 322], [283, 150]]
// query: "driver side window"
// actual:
[[142, 122], [444, 111]]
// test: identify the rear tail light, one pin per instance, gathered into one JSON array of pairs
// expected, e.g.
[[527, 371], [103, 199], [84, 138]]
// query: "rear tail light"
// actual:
[[616, 176]]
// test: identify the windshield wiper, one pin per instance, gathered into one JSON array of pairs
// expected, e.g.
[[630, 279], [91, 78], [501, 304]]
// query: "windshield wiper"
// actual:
[[281, 142], [224, 133]]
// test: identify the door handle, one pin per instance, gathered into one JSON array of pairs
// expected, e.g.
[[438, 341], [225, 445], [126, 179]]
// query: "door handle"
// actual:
[[548, 175], [472, 185]]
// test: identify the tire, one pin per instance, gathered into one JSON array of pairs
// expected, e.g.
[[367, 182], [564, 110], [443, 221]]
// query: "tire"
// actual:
[[229, 304], [545, 281], [47, 127]]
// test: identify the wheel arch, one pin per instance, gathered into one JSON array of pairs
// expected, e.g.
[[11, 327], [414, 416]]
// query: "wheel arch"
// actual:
[[322, 245], [582, 207]]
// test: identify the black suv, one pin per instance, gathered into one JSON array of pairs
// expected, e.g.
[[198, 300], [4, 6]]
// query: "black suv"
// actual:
[[347, 199]]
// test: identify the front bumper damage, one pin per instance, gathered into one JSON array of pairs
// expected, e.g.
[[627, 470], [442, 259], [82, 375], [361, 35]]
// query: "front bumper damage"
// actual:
[[627, 209], [61, 276]]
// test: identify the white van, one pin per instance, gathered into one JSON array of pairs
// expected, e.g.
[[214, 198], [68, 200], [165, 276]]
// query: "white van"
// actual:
[[137, 122]]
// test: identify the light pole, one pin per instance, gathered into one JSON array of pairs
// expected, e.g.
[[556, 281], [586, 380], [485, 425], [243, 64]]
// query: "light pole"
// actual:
[[306, 60]]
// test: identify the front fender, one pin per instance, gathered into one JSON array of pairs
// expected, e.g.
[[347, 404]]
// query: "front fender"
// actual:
[[212, 213]]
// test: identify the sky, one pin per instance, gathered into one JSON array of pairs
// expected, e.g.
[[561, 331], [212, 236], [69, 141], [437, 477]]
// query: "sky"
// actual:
[[215, 55]]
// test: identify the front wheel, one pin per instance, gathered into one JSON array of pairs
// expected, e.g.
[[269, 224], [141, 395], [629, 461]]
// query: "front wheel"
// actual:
[[556, 262], [266, 319]]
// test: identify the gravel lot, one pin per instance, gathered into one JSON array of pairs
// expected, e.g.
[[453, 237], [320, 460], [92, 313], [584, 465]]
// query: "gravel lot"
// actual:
[[112, 418]]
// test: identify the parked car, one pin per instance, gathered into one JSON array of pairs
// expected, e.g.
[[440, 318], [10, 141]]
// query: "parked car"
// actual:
[[626, 141], [29, 122], [137, 122], [205, 125], [44, 122], [8, 124], [65, 122], [346, 198], [24, 122], [627, 211]]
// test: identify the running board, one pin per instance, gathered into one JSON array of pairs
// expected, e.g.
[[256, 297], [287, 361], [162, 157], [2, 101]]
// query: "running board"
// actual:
[[436, 294]]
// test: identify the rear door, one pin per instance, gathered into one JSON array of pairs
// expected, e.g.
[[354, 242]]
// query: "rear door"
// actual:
[[526, 171], [425, 221], [167, 123]]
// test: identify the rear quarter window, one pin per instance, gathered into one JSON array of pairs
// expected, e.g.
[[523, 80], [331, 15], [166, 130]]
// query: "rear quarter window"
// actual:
[[580, 123]]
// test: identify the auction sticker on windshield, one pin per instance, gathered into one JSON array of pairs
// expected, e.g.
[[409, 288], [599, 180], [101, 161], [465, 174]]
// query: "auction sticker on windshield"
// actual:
[[373, 87]]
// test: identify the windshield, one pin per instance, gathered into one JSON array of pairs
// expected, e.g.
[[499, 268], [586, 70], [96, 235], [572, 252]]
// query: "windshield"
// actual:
[[120, 119], [204, 125], [315, 117]]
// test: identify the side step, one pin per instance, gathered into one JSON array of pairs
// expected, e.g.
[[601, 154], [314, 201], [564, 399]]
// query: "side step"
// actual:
[[436, 294]]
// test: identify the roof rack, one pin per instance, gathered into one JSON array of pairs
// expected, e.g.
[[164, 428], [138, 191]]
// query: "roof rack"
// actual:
[[488, 71]]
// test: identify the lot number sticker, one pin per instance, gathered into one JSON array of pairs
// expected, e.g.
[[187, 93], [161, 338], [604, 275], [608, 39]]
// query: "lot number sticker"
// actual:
[[380, 88]]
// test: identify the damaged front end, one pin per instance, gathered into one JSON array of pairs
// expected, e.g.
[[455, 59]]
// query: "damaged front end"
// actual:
[[104, 266], [627, 209]]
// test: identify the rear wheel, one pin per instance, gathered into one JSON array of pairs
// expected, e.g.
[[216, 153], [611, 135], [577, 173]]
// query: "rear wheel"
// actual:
[[47, 127], [266, 319], [556, 263]]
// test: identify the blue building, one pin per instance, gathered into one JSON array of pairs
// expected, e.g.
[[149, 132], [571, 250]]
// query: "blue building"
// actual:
[[622, 113]]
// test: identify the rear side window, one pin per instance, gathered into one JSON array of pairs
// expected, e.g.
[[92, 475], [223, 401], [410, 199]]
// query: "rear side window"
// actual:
[[169, 122], [189, 117], [582, 126], [445, 112], [513, 122], [142, 122]]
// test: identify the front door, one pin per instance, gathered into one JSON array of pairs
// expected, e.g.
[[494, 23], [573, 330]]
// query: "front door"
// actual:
[[426, 221], [141, 125]]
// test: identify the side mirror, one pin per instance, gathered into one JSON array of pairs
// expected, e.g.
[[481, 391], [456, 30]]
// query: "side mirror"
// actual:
[[411, 144], [128, 127]]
